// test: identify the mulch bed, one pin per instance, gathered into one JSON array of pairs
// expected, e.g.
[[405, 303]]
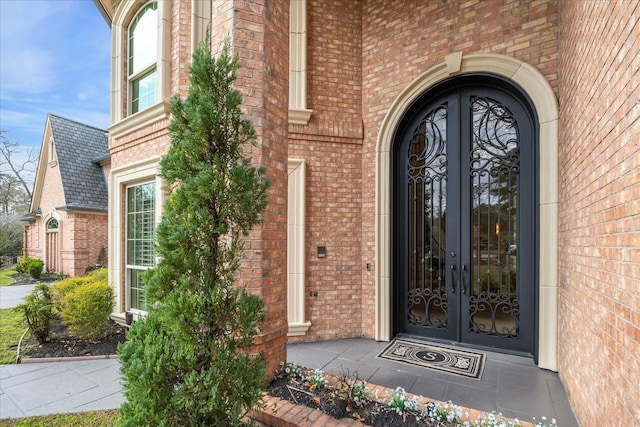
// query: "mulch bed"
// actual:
[[62, 344], [25, 279], [324, 399]]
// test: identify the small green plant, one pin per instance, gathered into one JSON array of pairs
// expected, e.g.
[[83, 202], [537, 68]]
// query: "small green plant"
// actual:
[[316, 378], [38, 310], [354, 391], [402, 404], [87, 308], [290, 370], [543, 422], [444, 412]]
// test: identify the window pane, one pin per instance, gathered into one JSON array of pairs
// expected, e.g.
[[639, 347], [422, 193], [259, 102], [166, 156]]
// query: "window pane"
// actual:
[[143, 39], [136, 294], [143, 92], [140, 239], [141, 225]]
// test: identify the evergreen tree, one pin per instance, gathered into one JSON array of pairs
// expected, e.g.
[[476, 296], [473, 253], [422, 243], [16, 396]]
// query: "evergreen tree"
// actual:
[[189, 361]]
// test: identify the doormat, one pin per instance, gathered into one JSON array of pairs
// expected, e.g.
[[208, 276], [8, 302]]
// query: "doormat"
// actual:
[[463, 363]]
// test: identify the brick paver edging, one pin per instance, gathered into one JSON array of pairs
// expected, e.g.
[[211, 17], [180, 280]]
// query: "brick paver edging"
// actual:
[[66, 359], [278, 412]]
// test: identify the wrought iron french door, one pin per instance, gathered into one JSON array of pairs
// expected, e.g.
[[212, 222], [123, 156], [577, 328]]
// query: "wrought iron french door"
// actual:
[[464, 219]]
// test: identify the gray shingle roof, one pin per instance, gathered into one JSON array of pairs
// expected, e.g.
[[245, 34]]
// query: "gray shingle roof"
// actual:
[[77, 148]]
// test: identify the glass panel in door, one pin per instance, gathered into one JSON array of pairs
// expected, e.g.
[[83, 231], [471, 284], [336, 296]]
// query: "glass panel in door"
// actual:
[[427, 299], [494, 306]]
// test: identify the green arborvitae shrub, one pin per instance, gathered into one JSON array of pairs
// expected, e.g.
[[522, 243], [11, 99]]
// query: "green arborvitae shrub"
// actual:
[[190, 360], [38, 310], [34, 267]]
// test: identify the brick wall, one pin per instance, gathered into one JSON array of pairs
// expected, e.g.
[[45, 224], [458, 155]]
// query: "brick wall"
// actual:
[[259, 34], [331, 145], [85, 235], [361, 55], [261, 40], [600, 210]]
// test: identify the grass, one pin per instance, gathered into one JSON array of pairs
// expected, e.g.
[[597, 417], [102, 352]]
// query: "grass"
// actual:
[[106, 418], [5, 280], [12, 326]]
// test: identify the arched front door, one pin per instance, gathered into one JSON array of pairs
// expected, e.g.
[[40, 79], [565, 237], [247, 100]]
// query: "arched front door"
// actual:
[[464, 215]]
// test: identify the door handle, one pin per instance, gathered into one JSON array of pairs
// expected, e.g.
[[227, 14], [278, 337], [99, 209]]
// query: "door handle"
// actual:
[[464, 282], [453, 278]]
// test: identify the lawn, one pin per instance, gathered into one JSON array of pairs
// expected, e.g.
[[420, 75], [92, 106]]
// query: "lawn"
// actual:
[[5, 280], [12, 326], [106, 418]]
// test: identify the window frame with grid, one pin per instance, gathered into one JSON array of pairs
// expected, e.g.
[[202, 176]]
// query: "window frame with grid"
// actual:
[[142, 72], [139, 239]]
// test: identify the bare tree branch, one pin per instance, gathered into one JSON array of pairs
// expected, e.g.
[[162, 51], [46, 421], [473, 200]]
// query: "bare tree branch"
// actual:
[[11, 165]]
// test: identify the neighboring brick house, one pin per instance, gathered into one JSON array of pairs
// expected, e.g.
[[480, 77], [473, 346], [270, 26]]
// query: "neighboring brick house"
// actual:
[[457, 170], [67, 223]]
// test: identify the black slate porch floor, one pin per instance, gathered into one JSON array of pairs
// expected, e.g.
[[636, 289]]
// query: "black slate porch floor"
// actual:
[[512, 385]]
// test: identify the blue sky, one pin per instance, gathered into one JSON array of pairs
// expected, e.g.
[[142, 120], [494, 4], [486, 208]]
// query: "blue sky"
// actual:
[[54, 58]]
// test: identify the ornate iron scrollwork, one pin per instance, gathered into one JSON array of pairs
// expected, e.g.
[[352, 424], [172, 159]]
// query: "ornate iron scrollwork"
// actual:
[[427, 180], [495, 163]]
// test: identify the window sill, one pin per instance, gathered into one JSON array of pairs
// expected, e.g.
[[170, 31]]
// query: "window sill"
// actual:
[[139, 120]]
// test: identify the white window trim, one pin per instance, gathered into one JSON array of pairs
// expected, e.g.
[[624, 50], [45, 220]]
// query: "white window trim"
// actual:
[[298, 112], [121, 124], [296, 249], [127, 266], [119, 180], [200, 20]]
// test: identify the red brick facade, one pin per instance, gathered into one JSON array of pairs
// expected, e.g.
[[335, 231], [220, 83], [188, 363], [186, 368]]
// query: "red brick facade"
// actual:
[[361, 55], [600, 210]]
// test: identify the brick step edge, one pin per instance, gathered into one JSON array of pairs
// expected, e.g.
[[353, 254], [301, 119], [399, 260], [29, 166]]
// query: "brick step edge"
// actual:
[[278, 412]]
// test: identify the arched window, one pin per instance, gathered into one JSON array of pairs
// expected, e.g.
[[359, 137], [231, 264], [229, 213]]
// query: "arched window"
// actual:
[[52, 224], [143, 57]]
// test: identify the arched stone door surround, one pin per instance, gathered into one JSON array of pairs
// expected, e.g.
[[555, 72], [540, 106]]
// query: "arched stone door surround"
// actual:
[[545, 103]]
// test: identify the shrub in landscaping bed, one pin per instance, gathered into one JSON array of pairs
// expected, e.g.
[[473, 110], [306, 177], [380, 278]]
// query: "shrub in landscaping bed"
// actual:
[[30, 266], [85, 303], [191, 360], [87, 309], [38, 310]]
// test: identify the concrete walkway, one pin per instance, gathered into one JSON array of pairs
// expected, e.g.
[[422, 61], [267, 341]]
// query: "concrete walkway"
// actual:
[[13, 295], [55, 387]]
